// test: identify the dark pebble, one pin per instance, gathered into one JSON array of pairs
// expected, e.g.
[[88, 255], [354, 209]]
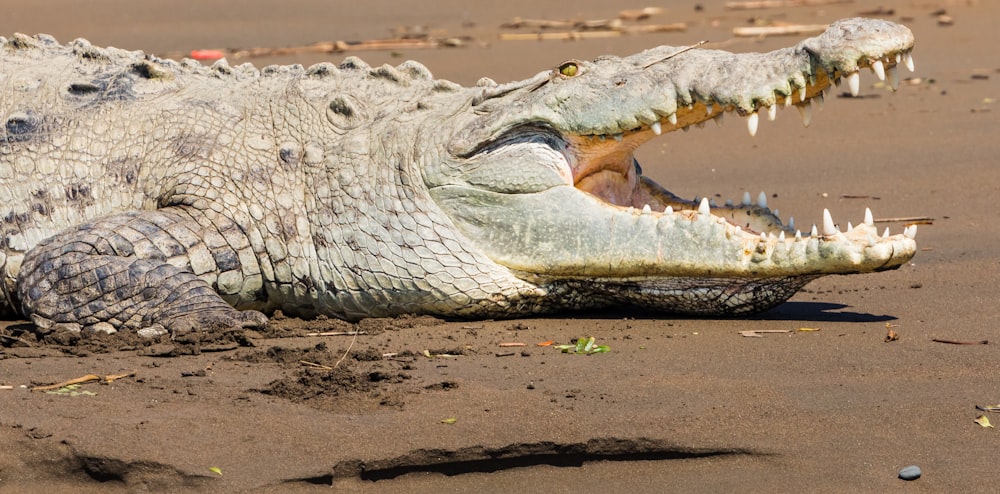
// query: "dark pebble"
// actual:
[[911, 472]]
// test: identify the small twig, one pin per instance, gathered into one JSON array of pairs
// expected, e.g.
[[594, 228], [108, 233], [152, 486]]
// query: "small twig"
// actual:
[[758, 333], [6, 387], [512, 344], [79, 380], [798, 29], [772, 4], [953, 342], [674, 54], [342, 357], [315, 365], [506, 354], [908, 219], [561, 35], [336, 333]]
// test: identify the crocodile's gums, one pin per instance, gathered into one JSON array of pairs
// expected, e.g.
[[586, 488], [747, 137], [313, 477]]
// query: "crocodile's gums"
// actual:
[[151, 195]]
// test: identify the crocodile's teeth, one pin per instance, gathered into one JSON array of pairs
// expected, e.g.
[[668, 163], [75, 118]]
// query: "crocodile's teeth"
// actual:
[[798, 235], [718, 118], [729, 203], [802, 93], [775, 213], [668, 210], [892, 78], [879, 69], [672, 118], [899, 58], [657, 128], [746, 198], [772, 112], [762, 199], [910, 231], [819, 99], [854, 83], [814, 232], [850, 227], [791, 223], [908, 61], [708, 108], [828, 227], [788, 100], [805, 111], [703, 207], [869, 218], [871, 240], [711, 202], [763, 236], [885, 234], [647, 210], [618, 137], [752, 124]]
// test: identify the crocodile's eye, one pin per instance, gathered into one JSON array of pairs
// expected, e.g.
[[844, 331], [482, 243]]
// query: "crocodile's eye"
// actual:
[[569, 69]]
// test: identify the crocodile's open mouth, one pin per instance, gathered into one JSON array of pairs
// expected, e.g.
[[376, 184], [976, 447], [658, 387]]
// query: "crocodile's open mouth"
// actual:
[[547, 184]]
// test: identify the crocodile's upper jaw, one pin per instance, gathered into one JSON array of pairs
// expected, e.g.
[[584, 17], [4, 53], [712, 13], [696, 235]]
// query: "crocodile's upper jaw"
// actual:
[[567, 201]]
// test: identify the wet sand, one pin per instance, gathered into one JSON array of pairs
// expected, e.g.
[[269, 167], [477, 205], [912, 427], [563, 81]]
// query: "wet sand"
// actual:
[[678, 404]]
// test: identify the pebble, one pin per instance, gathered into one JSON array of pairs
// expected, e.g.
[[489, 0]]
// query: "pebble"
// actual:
[[911, 472]]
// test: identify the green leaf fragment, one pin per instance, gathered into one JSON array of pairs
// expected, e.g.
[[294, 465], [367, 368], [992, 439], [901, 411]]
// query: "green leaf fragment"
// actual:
[[215, 470], [449, 421]]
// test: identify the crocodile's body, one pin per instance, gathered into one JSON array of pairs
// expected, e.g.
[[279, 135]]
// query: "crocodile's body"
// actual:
[[354, 191]]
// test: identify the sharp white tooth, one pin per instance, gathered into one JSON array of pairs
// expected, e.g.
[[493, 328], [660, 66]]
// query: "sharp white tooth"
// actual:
[[711, 202], [802, 93], [788, 100], [729, 203], [805, 111], [602, 137], [746, 198], [752, 124], [775, 213], [814, 232], [819, 99], [854, 83], [908, 61], [910, 231], [657, 128], [672, 118], [690, 106], [646, 209], [781, 235], [885, 234], [708, 108], [763, 236], [879, 69], [791, 222], [850, 227], [871, 240], [869, 218], [718, 118], [762, 199], [828, 227], [798, 235], [739, 229], [892, 78], [772, 112], [899, 58], [668, 210], [703, 207], [618, 137]]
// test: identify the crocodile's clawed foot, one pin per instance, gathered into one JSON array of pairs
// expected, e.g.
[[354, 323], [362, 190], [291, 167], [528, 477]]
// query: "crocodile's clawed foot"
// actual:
[[217, 321]]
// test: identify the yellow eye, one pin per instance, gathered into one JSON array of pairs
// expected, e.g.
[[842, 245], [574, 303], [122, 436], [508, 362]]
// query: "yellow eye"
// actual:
[[569, 69]]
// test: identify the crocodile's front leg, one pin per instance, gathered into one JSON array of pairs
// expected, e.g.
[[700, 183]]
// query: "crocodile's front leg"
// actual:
[[148, 271]]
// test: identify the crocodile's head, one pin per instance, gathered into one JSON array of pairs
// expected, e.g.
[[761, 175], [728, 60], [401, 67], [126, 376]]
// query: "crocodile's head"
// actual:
[[544, 182]]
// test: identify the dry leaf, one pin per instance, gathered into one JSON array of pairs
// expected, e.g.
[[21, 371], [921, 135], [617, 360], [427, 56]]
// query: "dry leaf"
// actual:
[[891, 336], [983, 421], [808, 329]]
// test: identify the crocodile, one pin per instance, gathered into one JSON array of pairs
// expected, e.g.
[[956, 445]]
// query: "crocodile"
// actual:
[[159, 196]]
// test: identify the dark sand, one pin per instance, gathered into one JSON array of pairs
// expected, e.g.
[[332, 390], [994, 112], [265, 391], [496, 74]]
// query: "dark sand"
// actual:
[[678, 405]]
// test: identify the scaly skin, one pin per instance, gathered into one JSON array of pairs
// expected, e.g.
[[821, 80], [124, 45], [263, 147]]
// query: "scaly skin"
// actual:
[[151, 195]]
